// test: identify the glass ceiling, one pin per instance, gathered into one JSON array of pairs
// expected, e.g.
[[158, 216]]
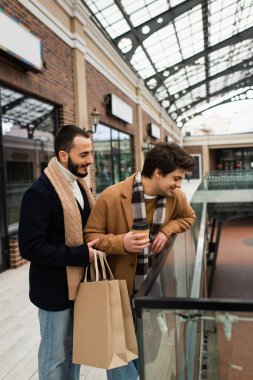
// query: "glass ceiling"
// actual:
[[191, 54]]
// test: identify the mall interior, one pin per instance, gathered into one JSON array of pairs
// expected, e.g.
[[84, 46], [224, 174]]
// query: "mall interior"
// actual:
[[134, 73]]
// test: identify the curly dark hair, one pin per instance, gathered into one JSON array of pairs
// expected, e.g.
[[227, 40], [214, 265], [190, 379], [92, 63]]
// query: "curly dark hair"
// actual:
[[65, 136], [167, 157]]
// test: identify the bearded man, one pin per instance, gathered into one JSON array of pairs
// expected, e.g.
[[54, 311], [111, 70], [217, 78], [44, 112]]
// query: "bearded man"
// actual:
[[53, 214]]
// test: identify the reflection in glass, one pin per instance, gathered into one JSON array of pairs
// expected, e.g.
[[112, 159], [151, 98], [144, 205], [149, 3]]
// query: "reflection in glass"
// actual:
[[103, 160], [175, 279], [28, 128], [196, 344], [126, 155], [113, 156]]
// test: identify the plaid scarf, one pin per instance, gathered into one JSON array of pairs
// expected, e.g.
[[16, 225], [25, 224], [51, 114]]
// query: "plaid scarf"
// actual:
[[146, 257]]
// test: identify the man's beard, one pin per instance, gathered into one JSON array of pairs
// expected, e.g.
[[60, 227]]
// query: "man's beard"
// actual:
[[73, 168]]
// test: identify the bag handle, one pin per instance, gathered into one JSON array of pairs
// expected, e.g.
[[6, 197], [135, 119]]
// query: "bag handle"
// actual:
[[95, 274], [104, 264], [93, 268], [96, 265]]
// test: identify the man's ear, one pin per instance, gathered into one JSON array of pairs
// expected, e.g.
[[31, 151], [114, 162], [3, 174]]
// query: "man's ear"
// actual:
[[63, 156], [157, 173]]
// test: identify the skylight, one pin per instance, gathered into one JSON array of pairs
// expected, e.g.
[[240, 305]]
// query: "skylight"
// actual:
[[189, 53]]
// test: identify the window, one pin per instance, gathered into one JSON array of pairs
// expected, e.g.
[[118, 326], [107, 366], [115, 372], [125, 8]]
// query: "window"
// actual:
[[234, 159], [28, 128], [113, 156]]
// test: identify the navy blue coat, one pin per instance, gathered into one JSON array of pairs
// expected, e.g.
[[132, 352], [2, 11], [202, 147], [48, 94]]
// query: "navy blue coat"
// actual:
[[42, 241]]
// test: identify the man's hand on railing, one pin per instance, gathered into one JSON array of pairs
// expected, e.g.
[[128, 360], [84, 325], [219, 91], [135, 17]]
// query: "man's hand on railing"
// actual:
[[159, 242]]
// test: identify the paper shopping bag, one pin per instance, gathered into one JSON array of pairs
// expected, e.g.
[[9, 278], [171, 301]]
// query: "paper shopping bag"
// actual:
[[130, 336], [99, 336]]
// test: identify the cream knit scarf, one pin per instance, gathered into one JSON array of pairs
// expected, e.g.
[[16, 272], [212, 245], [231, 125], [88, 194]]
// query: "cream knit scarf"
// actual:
[[72, 219]]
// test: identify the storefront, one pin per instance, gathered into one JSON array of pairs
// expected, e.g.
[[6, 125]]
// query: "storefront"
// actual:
[[37, 96], [28, 126], [113, 156], [234, 159]]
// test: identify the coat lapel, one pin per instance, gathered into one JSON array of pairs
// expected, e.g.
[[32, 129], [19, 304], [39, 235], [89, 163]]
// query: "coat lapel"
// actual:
[[127, 207], [126, 200]]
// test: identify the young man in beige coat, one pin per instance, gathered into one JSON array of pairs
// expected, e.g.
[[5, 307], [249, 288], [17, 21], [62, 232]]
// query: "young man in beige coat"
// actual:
[[152, 195]]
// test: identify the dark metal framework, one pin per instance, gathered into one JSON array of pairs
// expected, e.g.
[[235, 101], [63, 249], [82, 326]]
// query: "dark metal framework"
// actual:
[[28, 112], [191, 54]]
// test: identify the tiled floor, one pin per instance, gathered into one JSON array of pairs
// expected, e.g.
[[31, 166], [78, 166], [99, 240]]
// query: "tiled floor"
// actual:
[[233, 276], [233, 279], [19, 330]]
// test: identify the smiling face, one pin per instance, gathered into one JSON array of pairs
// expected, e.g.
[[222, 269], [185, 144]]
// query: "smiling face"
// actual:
[[165, 185], [79, 157]]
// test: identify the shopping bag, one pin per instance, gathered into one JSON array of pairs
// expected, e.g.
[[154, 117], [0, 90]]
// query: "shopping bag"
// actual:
[[130, 336], [99, 338]]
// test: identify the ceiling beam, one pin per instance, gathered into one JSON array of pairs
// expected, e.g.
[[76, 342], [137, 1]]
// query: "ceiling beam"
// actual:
[[235, 86], [205, 25], [154, 24], [242, 66], [127, 18], [222, 102], [13, 104], [239, 37]]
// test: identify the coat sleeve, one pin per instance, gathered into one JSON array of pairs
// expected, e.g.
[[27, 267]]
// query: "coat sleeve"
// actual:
[[182, 217], [37, 242], [98, 225]]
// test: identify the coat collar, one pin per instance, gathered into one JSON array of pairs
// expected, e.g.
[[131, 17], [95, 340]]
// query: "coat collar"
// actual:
[[127, 188], [127, 191]]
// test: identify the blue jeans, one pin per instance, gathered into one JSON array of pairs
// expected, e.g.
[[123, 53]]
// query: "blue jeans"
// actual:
[[127, 372], [55, 351]]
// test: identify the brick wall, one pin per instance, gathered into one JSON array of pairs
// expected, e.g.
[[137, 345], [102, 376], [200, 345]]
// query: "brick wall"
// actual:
[[194, 149], [16, 260], [56, 82], [97, 88], [146, 119]]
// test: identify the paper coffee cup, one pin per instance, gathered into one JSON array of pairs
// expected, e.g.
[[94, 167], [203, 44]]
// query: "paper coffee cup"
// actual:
[[141, 227]]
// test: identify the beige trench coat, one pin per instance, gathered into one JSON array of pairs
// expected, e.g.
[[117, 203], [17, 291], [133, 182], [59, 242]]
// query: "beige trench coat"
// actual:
[[111, 218]]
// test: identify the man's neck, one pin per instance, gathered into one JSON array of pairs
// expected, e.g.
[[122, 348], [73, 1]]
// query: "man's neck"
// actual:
[[67, 174], [148, 186]]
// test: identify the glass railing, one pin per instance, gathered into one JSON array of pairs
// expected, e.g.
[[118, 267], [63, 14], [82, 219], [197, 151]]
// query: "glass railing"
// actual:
[[177, 274], [182, 334], [172, 274], [190, 339], [228, 180]]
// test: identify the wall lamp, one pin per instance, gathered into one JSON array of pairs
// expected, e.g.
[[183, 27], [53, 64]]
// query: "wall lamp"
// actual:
[[147, 144], [95, 120]]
